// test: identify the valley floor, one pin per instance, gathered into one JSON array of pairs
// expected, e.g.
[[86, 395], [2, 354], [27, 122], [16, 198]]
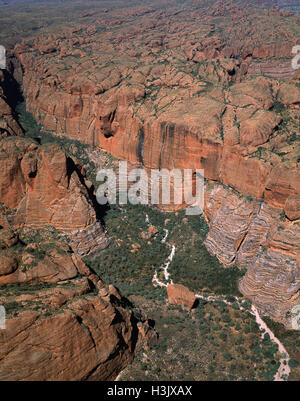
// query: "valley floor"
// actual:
[[221, 338], [224, 338]]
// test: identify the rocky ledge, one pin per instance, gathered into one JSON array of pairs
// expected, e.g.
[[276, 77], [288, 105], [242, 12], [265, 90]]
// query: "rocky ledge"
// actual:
[[260, 238], [62, 321], [44, 187]]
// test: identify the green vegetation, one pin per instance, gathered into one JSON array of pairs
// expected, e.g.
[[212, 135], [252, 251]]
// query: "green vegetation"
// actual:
[[204, 345], [215, 341], [130, 261], [278, 107], [27, 121], [193, 266], [282, 215], [293, 138], [293, 363], [291, 340]]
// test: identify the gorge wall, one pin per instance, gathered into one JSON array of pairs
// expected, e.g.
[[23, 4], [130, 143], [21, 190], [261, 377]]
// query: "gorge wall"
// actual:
[[187, 92], [236, 136], [219, 131], [62, 321]]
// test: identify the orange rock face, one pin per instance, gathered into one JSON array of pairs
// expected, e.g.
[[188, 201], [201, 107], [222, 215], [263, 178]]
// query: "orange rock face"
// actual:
[[180, 295], [46, 188], [54, 193], [199, 88], [292, 208], [71, 345], [222, 132], [62, 321], [253, 235], [173, 102], [68, 331]]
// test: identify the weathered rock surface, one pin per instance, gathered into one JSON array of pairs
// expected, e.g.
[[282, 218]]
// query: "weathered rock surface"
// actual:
[[72, 329], [187, 91], [47, 188], [255, 236], [292, 208], [236, 135], [62, 321], [180, 295]]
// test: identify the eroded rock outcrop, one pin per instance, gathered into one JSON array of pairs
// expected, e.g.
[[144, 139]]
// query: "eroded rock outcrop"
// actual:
[[180, 295], [62, 321], [46, 188], [162, 117], [177, 94], [256, 236]]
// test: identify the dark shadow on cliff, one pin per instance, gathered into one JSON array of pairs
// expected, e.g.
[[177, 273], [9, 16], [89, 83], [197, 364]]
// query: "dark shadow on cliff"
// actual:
[[12, 90], [100, 210]]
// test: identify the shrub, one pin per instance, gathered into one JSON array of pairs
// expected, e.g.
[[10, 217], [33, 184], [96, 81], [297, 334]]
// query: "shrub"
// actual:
[[293, 363]]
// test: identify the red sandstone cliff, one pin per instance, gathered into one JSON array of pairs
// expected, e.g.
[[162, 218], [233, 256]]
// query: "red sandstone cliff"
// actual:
[[62, 321], [47, 189], [179, 93], [219, 131]]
